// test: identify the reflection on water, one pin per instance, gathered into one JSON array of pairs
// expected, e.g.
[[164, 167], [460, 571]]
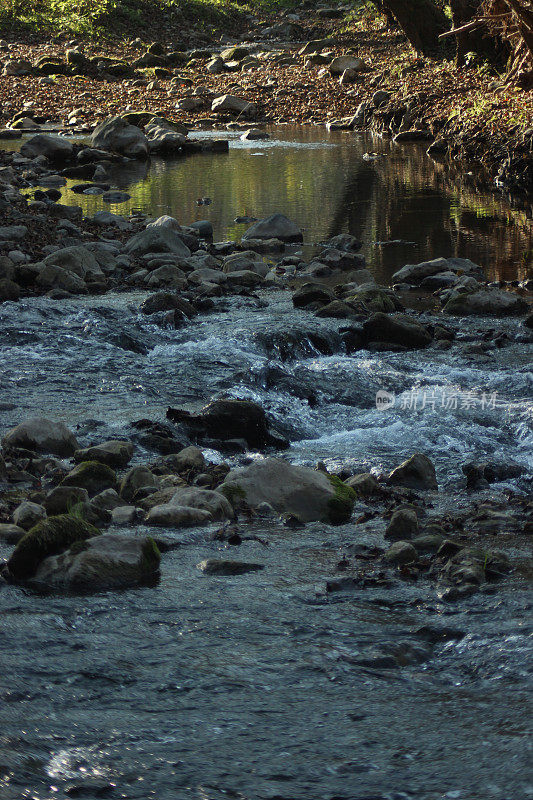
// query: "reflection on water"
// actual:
[[322, 181]]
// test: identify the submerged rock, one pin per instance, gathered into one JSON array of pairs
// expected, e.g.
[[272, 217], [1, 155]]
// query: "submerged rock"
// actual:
[[42, 435], [49, 537], [109, 561], [306, 493], [220, 566]]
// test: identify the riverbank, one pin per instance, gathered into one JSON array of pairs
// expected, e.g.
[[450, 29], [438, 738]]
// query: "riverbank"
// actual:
[[473, 116]]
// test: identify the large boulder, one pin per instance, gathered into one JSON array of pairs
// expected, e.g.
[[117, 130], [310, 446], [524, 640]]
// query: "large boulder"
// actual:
[[110, 561], [484, 302], [415, 273], [47, 538], [277, 226], [399, 330], [305, 493], [416, 473], [52, 276], [157, 239], [118, 136], [42, 435], [229, 419], [57, 149]]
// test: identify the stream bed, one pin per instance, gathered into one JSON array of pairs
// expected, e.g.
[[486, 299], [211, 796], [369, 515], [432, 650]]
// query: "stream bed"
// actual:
[[265, 686]]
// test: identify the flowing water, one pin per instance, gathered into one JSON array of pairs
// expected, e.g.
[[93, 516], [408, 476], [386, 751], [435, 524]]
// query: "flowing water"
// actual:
[[262, 685]]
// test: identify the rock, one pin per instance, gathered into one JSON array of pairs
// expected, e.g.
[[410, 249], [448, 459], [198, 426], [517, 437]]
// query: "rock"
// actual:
[[337, 309], [114, 453], [401, 329], [225, 567], [27, 514], [484, 302], [107, 500], [416, 473], [254, 134], [78, 260], [9, 290], [163, 138], [189, 459], [109, 561], [11, 534], [13, 232], [216, 66], [91, 475], [173, 515], [381, 98], [62, 499], [136, 478], [312, 294], [342, 63], [118, 136], [157, 239], [403, 525], [428, 542], [364, 484], [124, 515], [55, 148], [307, 494], [413, 135], [233, 105], [413, 274], [214, 502], [17, 66], [41, 435], [230, 419], [52, 276], [344, 242], [401, 553], [48, 537], [277, 226]]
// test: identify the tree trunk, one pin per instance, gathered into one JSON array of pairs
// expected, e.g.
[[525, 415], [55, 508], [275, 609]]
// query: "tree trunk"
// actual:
[[421, 21], [478, 40]]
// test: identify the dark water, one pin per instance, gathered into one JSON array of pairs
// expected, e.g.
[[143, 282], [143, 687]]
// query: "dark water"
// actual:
[[262, 686], [322, 181]]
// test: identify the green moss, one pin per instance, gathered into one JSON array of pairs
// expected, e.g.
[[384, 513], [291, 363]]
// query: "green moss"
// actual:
[[91, 475], [233, 492], [340, 506], [151, 556], [48, 538]]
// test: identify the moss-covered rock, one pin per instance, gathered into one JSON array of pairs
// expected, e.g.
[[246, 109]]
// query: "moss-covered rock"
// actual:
[[340, 506], [47, 538], [91, 475]]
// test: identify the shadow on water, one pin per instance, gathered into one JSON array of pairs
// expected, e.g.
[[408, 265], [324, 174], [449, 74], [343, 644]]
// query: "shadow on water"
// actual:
[[328, 185]]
